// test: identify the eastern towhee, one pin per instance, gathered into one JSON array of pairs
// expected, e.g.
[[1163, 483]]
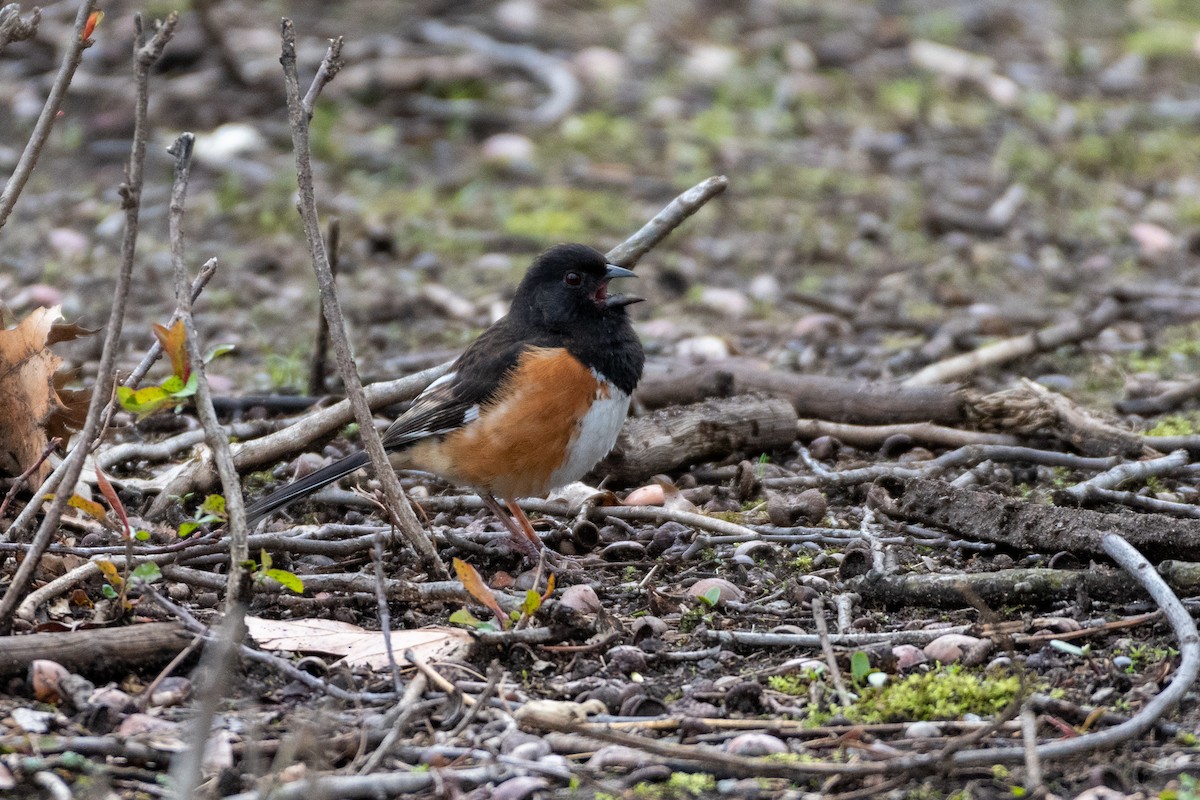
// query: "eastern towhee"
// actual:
[[532, 405]]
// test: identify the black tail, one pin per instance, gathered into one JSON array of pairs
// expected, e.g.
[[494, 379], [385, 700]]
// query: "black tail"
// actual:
[[305, 486]]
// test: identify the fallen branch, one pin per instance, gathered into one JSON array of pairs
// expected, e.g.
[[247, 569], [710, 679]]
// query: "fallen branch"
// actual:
[[1031, 588], [1030, 527], [923, 432], [95, 651], [958, 367], [673, 437], [816, 396]]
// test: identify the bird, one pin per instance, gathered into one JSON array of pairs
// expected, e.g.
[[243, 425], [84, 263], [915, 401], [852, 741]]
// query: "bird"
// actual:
[[530, 406]]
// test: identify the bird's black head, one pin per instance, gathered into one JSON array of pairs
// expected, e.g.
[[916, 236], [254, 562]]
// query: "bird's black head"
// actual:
[[569, 283]]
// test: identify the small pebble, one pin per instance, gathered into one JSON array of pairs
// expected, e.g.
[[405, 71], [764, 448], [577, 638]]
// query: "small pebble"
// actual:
[[727, 591], [765, 289], [950, 648], [626, 658], [1152, 240], [601, 67], [755, 744], [522, 16], [580, 597], [1122, 663], [710, 63], [729, 302], [922, 730], [703, 348], [512, 151]]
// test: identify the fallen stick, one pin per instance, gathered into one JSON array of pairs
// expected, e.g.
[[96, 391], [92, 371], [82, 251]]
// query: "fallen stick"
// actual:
[[1028, 588], [92, 651], [1030, 527], [674, 437], [818, 396], [960, 366], [923, 432]]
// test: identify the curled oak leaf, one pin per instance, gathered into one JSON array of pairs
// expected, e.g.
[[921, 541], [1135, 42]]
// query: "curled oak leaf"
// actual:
[[29, 398]]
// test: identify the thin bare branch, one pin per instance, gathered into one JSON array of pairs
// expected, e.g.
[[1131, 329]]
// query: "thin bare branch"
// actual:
[[145, 54], [299, 113], [216, 438], [45, 121], [630, 251]]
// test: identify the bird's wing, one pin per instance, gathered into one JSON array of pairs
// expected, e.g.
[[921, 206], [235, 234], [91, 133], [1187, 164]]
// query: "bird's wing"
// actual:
[[456, 398]]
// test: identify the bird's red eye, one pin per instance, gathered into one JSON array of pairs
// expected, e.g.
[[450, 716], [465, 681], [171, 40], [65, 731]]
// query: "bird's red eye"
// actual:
[[572, 279]]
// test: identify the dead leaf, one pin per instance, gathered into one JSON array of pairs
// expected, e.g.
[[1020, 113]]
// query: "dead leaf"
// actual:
[[356, 645], [174, 344], [114, 502], [472, 581], [29, 399]]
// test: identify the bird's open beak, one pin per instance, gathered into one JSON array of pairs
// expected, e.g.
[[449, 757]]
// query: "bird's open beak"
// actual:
[[617, 300]]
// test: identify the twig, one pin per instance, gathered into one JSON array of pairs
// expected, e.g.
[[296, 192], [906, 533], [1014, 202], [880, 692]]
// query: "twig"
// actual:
[[556, 75], [299, 113], [24, 476], [1181, 623], [1129, 471], [958, 367], [216, 668], [15, 29], [145, 54], [839, 686], [1160, 403], [316, 370], [403, 712], [170, 447], [630, 251], [218, 441], [272, 661], [385, 616], [45, 121], [1033, 764], [331, 65], [1151, 504], [28, 607], [381, 784], [875, 435], [435, 677], [755, 639]]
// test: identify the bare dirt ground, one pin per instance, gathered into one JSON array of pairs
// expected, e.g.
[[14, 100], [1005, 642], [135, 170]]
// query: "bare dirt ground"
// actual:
[[917, 379]]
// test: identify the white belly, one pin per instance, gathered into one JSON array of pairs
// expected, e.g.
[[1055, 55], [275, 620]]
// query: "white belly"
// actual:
[[594, 437]]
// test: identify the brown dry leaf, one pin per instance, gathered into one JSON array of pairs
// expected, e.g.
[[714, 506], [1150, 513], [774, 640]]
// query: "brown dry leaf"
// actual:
[[472, 581], [356, 645], [29, 399]]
